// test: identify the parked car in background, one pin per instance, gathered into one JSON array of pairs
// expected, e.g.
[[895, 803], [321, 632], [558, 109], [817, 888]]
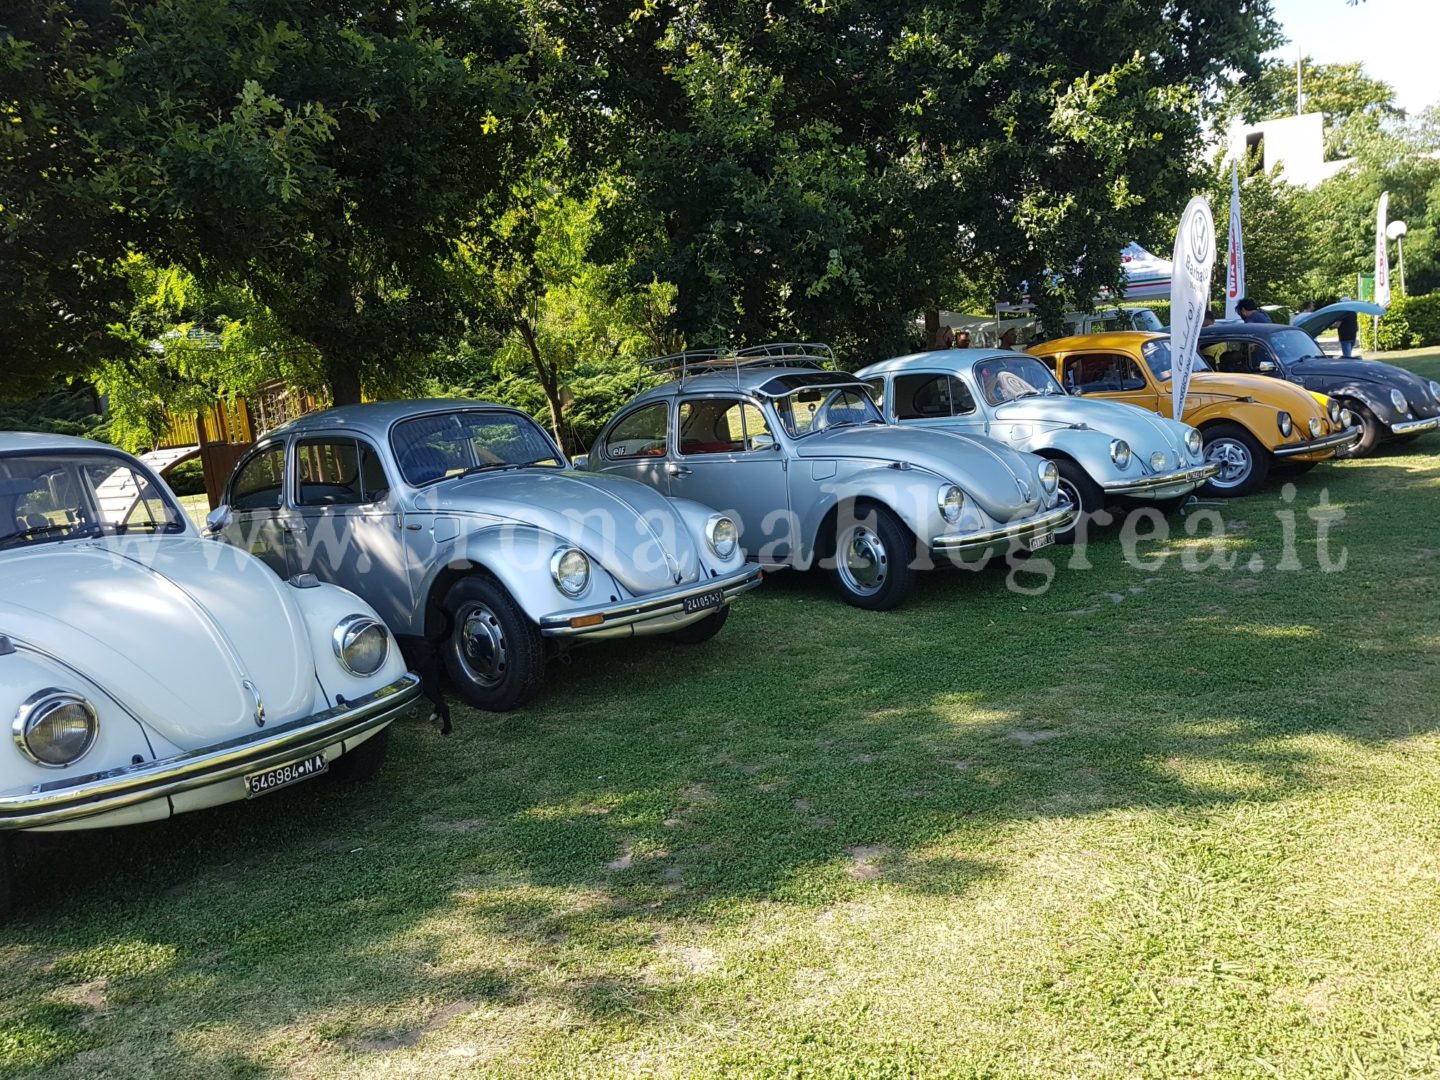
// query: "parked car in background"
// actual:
[[461, 522], [1106, 452], [811, 473], [1386, 401], [1249, 424], [148, 673]]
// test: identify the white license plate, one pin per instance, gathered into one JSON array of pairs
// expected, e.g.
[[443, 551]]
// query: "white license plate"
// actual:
[[1040, 540], [704, 602], [262, 783]]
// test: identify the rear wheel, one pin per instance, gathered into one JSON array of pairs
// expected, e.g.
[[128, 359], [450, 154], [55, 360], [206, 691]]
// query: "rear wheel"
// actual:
[[703, 630], [494, 655], [872, 559], [1083, 491], [361, 764], [1243, 462], [1371, 432]]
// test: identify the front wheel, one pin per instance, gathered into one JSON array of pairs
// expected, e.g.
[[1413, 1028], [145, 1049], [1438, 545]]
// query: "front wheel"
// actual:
[[702, 630], [1371, 431], [1082, 491], [1243, 462], [494, 655], [872, 559], [361, 764]]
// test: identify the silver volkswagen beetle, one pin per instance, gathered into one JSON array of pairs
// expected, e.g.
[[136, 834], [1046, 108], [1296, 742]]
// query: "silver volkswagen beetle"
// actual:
[[1106, 451], [462, 524], [811, 473]]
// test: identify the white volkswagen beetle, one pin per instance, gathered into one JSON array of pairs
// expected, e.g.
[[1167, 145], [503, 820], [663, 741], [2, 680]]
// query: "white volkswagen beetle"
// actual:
[[146, 672]]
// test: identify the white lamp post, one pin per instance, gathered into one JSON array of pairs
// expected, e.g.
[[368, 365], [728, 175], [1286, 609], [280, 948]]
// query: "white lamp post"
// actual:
[[1396, 231]]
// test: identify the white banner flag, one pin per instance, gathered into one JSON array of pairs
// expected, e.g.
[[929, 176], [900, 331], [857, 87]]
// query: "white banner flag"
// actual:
[[1194, 260], [1235, 251], [1382, 253]]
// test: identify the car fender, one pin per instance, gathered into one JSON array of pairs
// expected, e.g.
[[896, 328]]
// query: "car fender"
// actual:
[[696, 516], [911, 493], [1374, 398], [1090, 449], [323, 607], [1259, 418]]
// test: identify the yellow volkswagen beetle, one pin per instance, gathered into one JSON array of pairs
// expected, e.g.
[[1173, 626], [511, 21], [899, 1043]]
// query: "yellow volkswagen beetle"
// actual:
[[1250, 423]]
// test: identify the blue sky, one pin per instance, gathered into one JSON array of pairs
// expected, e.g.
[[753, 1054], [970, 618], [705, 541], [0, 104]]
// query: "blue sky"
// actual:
[[1397, 41]]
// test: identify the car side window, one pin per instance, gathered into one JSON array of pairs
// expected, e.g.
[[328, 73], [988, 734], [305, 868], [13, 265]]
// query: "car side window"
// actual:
[[259, 484], [722, 426], [327, 473], [924, 396], [373, 481], [1102, 373], [1231, 356], [876, 387], [641, 434]]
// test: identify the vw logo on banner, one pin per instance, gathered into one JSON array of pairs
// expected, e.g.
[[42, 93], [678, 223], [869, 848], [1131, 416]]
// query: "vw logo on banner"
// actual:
[[1189, 294]]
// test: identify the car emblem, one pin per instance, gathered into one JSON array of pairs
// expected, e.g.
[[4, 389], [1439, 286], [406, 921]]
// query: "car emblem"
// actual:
[[1024, 489], [254, 692]]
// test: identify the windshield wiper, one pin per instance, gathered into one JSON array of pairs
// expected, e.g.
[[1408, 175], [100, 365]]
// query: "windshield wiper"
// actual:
[[498, 466], [68, 530]]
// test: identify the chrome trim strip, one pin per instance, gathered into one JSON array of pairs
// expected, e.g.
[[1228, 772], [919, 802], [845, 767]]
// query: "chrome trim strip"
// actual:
[[1411, 427], [1052, 520], [1197, 473], [98, 793], [654, 607], [1339, 441]]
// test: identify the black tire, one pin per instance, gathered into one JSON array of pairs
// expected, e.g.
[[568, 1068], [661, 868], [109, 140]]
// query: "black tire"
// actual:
[[494, 655], [1371, 432], [7, 876], [702, 630], [1084, 492], [1245, 463], [872, 552], [361, 764]]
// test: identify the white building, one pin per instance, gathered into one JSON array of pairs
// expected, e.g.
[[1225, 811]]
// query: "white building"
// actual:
[[1296, 144]]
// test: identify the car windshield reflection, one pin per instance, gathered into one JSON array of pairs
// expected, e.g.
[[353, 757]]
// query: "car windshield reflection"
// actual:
[[823, 408], [66, 496], [1010, 378], [1158, 359], [445, 445], [1292, 345]]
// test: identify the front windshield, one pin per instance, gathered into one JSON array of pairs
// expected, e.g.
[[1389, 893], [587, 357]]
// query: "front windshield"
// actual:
[[440, 445], [1157, 356], [820, 408], [1292, 345], [1009, 378], [59, 495]]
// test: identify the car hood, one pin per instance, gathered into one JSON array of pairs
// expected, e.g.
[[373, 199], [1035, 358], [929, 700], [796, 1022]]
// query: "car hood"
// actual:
[[985, 470], [1363, 371], [1140, 427], [170, 627], [1280, 393], [627, 527]]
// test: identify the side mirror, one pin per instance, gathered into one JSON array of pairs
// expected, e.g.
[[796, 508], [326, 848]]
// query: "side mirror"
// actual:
[[763, 442], [1265, 367], [579, 462], [217, 519]]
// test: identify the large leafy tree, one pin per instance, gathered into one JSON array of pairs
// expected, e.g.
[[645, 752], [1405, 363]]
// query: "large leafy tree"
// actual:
[[828, 169]]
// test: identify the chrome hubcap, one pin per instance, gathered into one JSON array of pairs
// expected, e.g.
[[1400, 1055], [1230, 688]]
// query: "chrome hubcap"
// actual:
[[482, 643], [1070, 492], [1234, 460], [864, 563]]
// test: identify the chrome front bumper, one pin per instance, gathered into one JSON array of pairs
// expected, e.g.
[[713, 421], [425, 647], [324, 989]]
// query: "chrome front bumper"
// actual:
[[1341, 440], [647, 615], [1157, 484], [1021, 532], [86, 796], [1415, 427]]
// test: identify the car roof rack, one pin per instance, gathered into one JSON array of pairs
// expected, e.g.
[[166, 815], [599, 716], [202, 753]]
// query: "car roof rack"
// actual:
[[695, 362]]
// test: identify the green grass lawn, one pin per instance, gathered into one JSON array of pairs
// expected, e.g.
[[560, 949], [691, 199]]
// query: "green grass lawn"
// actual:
[[1153, 822]]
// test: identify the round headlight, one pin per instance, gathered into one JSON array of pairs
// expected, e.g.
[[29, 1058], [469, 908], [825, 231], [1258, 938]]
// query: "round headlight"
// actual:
[[1315, 427], [1336, 413], [1286, 424], [1194, 443], [1398, 400], [1120, 452], [571, 570], [361, 644], [722, 536], [1049, 476], [1157, 461], [56, 728], [1435, 390], [952, 499]]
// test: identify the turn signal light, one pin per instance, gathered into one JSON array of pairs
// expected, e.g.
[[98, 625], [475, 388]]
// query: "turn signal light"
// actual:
[[583, 621]]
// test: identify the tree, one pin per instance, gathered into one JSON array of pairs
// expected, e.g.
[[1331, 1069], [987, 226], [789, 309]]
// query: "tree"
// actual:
[[1282, 240]]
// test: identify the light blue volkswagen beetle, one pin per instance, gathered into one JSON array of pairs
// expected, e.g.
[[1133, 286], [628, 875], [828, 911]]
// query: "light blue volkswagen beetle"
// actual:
[[1106, 451]]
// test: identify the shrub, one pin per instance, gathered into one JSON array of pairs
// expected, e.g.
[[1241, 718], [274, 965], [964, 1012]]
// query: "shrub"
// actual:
[[1412, 322], [187, 478]]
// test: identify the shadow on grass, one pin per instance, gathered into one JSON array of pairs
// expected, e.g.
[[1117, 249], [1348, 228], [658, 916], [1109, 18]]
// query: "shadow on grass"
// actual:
[[809, 756]]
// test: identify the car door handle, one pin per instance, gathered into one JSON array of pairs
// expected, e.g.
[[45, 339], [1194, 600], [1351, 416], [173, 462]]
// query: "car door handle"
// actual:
[[677, 470]]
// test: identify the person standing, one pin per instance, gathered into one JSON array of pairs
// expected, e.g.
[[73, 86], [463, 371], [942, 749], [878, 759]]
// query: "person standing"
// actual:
[[1348, 329], [1008, 339], [1305, 309], [962, 339], [1249, 311]]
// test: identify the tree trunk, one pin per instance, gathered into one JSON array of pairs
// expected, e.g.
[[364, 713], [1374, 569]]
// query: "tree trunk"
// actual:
[[549, 382], [344, 381], [932, 327]]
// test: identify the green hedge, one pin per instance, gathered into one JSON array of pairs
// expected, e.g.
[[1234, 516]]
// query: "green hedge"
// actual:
[[1413, 322]]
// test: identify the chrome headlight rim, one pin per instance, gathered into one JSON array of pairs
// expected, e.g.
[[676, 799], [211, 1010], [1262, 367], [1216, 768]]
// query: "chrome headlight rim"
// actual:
[[951, 502], [38, 708], [1337, 414], [574, 581], [1120, 453], [1434, 390], [1286, 423], [1194, 442], [1158, 460], [1049, 474], [1316, 427], [1398, 400], [347, 635], [722, 548]]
